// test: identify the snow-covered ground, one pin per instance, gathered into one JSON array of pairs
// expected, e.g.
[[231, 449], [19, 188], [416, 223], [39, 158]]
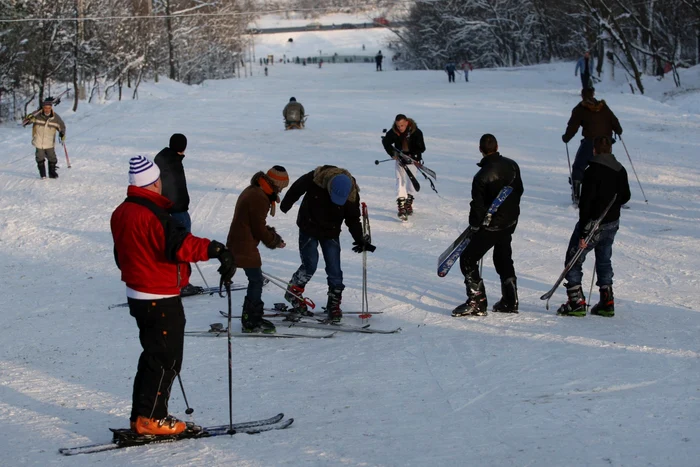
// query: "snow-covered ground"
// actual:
[[531, 389]]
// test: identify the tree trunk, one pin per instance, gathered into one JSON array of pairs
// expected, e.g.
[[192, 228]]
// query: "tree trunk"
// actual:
[[169, 28]]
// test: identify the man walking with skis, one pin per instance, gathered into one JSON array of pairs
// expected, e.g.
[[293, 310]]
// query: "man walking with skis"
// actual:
[[45, 125], [494, 231], [248, 229], [404, 143], [604, 178], [331, 196], [152, 250], [596, 119]]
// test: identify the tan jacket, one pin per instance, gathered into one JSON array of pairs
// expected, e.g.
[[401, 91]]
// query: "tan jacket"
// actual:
[[45, 128]]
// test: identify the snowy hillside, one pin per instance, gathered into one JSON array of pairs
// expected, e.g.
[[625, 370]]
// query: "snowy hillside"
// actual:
[[530, 389]]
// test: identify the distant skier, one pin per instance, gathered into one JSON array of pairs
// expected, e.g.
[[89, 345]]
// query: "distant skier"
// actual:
[[44, 128], [604, 178], [404, 136], [450, 70], [249, 228], [152, 251], [174, 187], [596, 119], [331, 196], [293, 114], [496, 172], [378, 60], [585, 66], [466, 68]]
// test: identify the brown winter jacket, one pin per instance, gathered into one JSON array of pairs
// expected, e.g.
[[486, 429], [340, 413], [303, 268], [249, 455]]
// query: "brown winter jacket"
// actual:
[[248, 227], [596, 119]]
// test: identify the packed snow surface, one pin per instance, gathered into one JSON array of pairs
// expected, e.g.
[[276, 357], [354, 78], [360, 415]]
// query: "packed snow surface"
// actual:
[[532, 389]]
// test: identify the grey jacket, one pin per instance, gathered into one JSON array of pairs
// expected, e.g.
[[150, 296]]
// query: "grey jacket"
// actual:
[[293, 112], [45, 128]]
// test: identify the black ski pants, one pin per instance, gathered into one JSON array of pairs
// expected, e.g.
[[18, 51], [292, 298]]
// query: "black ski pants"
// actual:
[[161, 325], [481, 242]]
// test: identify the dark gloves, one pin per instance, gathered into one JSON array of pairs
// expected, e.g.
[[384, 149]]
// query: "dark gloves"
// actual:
[[228, 267], [62, 137], [563, 138], [363, 245]]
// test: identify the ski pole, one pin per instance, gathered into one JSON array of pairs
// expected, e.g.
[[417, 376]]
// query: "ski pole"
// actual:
[[481, 267], [189, 409], [65, 149], [230, 369], [383, 160], [571, 176], [200, 273], [590, 291], [283, 285], [635, 172], [367, 233]]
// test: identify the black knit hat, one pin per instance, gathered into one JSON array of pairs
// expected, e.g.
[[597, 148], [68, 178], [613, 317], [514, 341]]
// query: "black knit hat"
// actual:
[[178, 142], [292, 99]]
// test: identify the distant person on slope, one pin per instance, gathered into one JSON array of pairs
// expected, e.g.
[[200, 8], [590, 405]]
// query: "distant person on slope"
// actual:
[[293, 114], [585, 66], [152, 250], [604, 178], [378, 60], [331, 196], [174, 187], [466, 68], [450, 70], [596, 119], [44, 128], [495, 173], [249, 228], [406, 138]]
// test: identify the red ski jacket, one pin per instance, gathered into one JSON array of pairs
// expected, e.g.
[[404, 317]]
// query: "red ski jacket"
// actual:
[[153, 258]]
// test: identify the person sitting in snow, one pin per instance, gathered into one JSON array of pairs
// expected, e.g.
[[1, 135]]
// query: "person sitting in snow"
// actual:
[[293, 114]]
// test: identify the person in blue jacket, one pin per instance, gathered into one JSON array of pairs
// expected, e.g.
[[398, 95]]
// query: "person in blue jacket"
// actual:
[[585, 65]]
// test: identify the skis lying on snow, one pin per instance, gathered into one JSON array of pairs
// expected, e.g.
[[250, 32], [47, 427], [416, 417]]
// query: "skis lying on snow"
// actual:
[[199, 291], [448, 258], [218, 329], [325, 324], [124, 438], [578, 254]]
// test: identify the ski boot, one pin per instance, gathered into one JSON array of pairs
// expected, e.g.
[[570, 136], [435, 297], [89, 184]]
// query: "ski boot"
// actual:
[[42, 169], [476, 303], [401, 204], [509, 297], [252, 319], [168, 426], [606, 305], [409, 205], [52, 170], [576, 306], [190, 290], [335, 314], [299, 307]]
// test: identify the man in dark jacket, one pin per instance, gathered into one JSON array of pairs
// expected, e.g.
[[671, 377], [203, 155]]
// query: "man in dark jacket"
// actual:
[[604, 178], [331, 196], [378, 60], [248, 229], [450, 70], [152, 251], [172, 176], [596, 119], [491, 232], [404, 143]]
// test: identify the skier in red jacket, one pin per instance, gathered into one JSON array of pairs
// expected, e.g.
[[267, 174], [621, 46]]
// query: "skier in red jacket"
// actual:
[[153, 252]]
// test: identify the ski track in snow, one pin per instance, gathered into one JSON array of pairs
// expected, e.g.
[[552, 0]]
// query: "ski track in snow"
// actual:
[[514, 390]]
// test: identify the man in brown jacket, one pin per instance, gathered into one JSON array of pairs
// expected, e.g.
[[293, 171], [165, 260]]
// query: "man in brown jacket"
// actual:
[[248, 229], [596, 119], [45, 126]]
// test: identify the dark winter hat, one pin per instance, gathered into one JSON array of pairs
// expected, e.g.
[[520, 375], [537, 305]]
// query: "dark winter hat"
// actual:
[[47, 101], [292, 99], [339, 189], [142, 172], [279, 177], [178, 142]]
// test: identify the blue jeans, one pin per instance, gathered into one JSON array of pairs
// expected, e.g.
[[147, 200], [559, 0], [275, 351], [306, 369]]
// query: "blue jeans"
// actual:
[[583, 157], [602, 243], [308, 250], [255, 285], [183, 218]]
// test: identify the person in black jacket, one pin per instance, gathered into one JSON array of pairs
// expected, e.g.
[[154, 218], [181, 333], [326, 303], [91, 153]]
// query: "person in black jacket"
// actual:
[[495, 231], [172, 175], [406, 138], [331, 196], [604, 178]]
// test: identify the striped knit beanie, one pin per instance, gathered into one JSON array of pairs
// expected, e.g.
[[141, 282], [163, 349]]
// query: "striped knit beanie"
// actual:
[[142, 172], [279, 177]]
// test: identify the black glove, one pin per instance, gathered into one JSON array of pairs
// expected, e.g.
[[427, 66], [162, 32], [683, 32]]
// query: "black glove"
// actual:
[[363, 245], [563, 138], [228, 266]]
